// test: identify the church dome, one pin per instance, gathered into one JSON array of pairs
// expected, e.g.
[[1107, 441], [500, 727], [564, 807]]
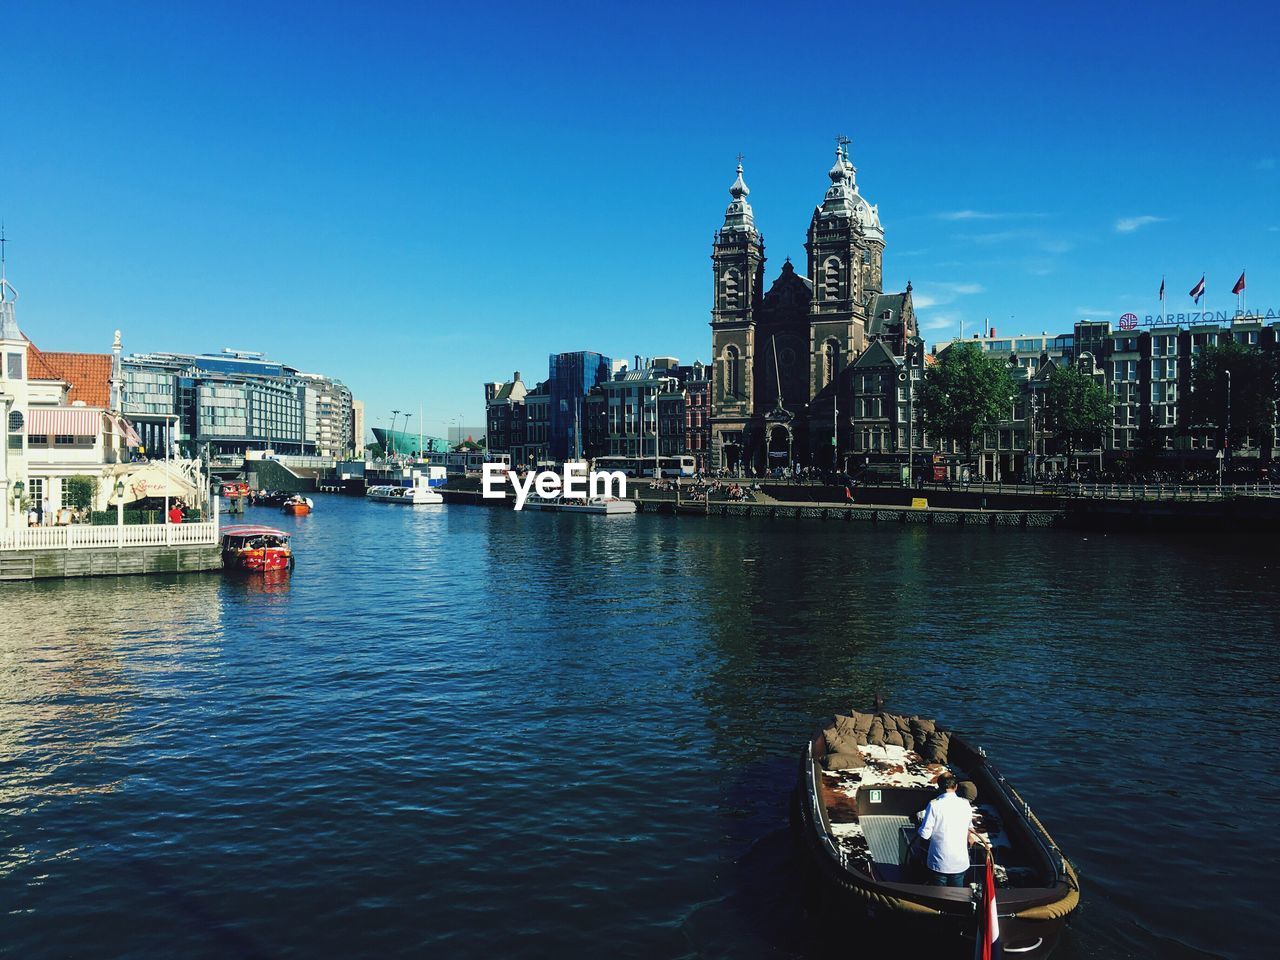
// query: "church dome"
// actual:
[[739, 188]]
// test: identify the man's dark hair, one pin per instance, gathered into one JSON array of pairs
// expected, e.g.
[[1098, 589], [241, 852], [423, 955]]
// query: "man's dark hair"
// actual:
[[947, 782]]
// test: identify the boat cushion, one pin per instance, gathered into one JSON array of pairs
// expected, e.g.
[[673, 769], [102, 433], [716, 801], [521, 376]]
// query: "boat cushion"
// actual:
[[839, 744], [920, 729], [843, 761], [935, 747], [848, 728]]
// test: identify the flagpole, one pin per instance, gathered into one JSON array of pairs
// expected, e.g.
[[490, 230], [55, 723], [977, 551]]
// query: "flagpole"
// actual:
[[1162, 309]]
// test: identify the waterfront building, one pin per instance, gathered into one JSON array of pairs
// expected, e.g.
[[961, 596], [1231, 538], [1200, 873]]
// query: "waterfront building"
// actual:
[[358, 431], [547, 423], [225, 403], [330, 404], [570, 377], [1148, 374], [781, 358], [62, 420]]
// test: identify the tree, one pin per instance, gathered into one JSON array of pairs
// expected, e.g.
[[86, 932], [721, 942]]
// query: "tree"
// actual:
[[79, 491], [375, 450], [1251, 405], [1077, 409], [963, 392]]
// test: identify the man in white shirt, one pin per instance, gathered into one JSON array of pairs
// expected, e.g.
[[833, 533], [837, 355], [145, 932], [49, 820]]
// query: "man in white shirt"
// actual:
[[948, 826]]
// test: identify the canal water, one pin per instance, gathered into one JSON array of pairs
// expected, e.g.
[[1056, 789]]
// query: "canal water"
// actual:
[[464, 732]]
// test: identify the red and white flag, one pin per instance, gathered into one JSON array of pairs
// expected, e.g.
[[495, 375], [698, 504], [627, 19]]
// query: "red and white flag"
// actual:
[[987, 946], [1197, 291], [1239, 287]]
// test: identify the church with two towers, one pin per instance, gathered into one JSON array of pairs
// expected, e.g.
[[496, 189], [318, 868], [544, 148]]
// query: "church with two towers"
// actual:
[[783, 359]]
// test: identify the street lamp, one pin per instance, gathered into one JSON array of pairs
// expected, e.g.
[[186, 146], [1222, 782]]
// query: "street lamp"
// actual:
[[119, 503], [1225, 453], [391, 437]]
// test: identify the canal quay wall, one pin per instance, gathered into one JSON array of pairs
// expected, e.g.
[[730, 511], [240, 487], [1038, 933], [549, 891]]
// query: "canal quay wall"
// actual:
[[1104, 511], [40, 553]]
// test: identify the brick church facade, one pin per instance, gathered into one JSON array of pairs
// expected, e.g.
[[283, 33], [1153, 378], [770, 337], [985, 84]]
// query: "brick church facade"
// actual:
[[781, 382]]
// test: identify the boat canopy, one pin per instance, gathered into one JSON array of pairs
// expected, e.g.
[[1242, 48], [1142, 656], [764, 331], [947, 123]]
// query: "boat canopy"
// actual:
[[252, 530]]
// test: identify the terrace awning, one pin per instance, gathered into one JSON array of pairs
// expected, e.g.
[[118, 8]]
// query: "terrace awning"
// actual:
[[64, 421], [153, 480]]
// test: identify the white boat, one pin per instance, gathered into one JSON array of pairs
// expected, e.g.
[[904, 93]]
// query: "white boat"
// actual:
[[421, 492], [536, 502], [605, 505]]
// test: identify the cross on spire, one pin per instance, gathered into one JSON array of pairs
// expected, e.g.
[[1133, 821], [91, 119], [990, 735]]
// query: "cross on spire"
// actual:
[[740, 158], [842, 145], [3, 241]]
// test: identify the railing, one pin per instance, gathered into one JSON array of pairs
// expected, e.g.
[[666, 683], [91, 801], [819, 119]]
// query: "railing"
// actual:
[[1158, 491], [81, 536]]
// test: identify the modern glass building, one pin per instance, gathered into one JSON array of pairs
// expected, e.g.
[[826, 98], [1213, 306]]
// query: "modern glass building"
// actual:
[[571, 377], [228, 403]]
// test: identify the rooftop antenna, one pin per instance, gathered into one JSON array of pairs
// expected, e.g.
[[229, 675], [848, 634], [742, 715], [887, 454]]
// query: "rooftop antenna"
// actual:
[[7, 293]]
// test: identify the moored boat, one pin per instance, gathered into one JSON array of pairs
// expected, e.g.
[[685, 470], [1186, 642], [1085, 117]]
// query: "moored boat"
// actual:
[[605, 505], [864, 781], [422, 491], [255, 549], [298, 506]]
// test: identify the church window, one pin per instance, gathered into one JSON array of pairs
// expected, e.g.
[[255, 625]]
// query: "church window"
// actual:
[[830, 351], [731, 379], [831, 279]]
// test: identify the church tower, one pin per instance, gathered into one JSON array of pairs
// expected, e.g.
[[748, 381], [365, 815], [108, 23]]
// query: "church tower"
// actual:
[[737, 259], [837, 250]]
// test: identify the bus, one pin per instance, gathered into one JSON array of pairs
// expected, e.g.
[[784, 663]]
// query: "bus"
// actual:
[[681, 466], [465, 461]]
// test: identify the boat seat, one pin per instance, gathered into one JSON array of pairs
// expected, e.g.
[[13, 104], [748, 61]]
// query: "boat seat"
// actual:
[[887, 841]]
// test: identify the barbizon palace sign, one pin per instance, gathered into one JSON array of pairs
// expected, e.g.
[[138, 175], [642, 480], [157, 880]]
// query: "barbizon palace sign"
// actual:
[[1128, 321]]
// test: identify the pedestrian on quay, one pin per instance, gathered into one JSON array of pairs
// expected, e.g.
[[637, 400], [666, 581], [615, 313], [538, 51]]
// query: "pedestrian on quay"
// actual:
[[175, 512]]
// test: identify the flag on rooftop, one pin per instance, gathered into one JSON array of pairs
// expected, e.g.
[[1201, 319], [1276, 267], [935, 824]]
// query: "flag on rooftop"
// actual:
[[1197, 291]]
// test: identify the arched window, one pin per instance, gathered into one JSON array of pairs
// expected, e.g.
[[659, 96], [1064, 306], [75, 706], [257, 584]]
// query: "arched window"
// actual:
[[830, 351], [732, 382], [732, 283], [831, 279]]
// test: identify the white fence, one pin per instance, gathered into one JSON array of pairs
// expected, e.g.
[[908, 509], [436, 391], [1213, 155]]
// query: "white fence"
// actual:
[[1154, 491], [80, 536]]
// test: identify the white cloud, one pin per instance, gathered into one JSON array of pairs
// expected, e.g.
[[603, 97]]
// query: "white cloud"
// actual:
[[968, 215], [1130, 224], [984, 215], [941, 322], [935, 294]]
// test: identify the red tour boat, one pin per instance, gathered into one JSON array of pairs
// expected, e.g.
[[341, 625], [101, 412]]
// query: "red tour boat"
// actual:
[[255, 549]]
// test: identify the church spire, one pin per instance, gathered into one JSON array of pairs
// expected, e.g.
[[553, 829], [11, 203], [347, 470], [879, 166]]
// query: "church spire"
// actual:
[[738, 216]]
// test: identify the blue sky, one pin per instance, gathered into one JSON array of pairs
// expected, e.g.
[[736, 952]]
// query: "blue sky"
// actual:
[[418, 198]]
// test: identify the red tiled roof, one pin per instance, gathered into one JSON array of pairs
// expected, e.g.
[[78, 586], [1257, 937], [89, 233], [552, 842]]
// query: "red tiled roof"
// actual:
[[88, 374]]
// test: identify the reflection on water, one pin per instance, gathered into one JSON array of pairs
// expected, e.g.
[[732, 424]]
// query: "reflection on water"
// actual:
[[469, 732]]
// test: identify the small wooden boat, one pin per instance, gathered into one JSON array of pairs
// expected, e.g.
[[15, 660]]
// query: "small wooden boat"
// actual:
[[255, 549], [297, 506], [864, 781]]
